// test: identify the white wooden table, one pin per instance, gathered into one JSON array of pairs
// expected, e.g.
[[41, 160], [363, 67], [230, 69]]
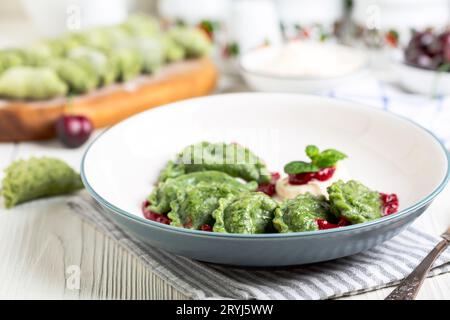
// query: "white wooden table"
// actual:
[[42, 242]]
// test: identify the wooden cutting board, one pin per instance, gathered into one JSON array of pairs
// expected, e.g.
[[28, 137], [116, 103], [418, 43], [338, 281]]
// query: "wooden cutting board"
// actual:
[[34, 120]]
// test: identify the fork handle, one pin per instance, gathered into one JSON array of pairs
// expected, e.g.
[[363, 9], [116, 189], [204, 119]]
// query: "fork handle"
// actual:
[[409, 287]]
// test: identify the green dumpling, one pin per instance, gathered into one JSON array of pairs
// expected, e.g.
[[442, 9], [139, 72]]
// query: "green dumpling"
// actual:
[[172, 50], [37, 55], [79, 78], [98, 64], [167, 191], [150, 49], [31, 83], [301, 213], [193, 40], [194, 205], [354, 202], [248, 213], [34, 178], [128, 63], [141, 25], [233, 159], [10, 58]]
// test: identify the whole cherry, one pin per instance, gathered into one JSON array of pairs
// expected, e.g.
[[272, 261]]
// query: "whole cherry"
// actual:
[[73, 130]]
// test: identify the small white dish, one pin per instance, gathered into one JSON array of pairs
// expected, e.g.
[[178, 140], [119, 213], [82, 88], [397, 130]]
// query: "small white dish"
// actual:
[[422, 81], [301, 67]]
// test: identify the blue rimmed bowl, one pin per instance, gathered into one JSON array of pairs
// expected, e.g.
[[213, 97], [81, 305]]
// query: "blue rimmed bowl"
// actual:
[[386, 152]]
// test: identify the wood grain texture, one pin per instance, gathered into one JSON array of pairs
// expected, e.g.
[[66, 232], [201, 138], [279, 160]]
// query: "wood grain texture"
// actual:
[[20, 121], [41, 239]]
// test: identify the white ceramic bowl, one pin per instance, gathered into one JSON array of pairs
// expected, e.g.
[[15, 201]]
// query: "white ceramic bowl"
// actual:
[[253, 68], [422, 81], [386, 152]]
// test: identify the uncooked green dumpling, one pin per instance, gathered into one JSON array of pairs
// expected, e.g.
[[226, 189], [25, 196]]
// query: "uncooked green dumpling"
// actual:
[[35, 178], [31, 83], [10, 58], [141, 25], [79, 78], [173, 51], [247, 213], [103, 67], [128, 63], [193, 40], [37, 55], [150, 49]]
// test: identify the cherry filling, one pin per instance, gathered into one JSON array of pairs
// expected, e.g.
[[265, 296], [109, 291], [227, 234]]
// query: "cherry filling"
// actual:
[[303, 178], [269, 188], [324, 224], [150, 215], [390, 203]]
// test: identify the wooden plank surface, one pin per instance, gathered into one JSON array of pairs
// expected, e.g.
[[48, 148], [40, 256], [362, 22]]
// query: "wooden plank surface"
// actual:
[[41, 243]]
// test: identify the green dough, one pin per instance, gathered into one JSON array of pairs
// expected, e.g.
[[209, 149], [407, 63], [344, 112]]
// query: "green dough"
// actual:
[[96, 62], [354, 202], [194, 205], [161, 197], [301, 213], [27, 180], [31, 83], [79, 77], [233, 159], [193, 40], [248, 213]]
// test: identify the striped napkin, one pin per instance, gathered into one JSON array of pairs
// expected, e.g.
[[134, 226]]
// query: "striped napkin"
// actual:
[[379, 267]]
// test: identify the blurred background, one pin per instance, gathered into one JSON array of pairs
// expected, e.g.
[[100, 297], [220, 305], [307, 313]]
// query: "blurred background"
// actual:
[[401, 46]]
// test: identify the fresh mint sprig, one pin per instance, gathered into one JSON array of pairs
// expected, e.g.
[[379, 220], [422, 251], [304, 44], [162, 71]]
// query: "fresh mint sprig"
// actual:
[[325, 159]]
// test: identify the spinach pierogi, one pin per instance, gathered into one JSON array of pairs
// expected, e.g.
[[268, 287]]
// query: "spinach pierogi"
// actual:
[[226, 188]]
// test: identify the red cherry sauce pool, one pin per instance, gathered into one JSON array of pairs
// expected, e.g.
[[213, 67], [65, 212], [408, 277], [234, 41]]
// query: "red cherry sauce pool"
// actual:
[[269, 188], [390, 203], [303, 178], [153, 215]]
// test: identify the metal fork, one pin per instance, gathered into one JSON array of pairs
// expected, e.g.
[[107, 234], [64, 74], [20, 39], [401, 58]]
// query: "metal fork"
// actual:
[[409, 287]]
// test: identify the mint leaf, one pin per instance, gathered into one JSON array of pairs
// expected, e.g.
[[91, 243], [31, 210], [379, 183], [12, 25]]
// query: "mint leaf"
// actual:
[[328, 158], [296, 167], [312, 151]]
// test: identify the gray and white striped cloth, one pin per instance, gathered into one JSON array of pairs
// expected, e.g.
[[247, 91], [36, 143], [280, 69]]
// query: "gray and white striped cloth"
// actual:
[[380, 267]]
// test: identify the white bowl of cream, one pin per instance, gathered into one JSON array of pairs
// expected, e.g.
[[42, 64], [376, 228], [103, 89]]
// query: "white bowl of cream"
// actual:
[[301, 66]]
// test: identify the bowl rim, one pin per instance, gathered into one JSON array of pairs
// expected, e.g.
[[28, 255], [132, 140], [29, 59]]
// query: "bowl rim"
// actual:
[[270, 75], [393, 217]]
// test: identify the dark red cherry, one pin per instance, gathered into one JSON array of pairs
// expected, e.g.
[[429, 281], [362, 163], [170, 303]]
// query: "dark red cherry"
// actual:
[[73, 130]]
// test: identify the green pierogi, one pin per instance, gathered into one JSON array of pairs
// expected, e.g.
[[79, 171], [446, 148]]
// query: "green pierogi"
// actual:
[[233, 159], [96, 62], [354, 202], [140, 25], [79, 77], [248, 213], [301, 213], [10, 58], [31, 83], [163, 194], [194, 41], [173, 51], [34, 178], [128, 62], [194, 205], [150, 50]]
